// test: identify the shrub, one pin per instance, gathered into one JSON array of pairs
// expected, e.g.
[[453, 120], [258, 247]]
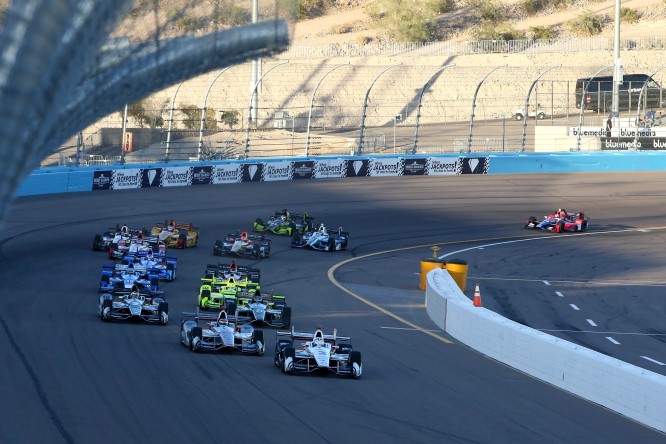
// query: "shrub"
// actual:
[[230, 118], [629, 15], [541, 33], [493, 31], [488, 11], [414, 24], [308, 9], [228, 14], [586, 23]]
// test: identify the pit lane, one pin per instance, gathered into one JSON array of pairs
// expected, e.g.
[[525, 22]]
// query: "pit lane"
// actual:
[[72, 378]]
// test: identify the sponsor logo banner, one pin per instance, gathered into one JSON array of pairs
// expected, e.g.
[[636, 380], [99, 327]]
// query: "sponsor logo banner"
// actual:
[[201, 175], [474, 165], [632, 143], [587, 131], [252, 172], [126, 179], [102, 180], [151, 177], [277, 171], [329, 169], [226, 174], [176, 177], [385, 167], [414, 167], [357, 168], [303, 169], [442, 166]]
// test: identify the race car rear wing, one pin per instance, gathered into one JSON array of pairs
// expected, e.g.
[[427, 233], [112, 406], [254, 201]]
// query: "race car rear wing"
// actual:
[[202, 316], [301, 336]]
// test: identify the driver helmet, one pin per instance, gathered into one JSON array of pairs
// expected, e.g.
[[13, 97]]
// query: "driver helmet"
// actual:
[[244, 236], [233, 267], [256, 298], [124, 228]]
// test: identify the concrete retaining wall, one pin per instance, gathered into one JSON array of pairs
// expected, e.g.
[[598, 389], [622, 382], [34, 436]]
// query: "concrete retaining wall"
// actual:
[[629, 390]]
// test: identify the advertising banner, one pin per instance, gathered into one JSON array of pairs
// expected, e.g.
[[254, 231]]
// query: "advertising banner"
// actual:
[[226, 174], [474, 165], [102, 180], [151, 177], [385, 167], [252, 172], [176, 177], [277, 171], [631, 143], [330, 168], [442, 166], [303, 169], [357, 168], [202, 175], [126, 179], [414, 167]]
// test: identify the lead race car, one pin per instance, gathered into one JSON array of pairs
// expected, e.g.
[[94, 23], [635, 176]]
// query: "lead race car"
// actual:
[[220, 333], [133, 305], [285, 223], [322, 239], [320, 352], [560, 222]]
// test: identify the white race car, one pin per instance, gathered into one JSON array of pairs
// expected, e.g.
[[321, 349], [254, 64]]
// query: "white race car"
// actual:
[[133, 305], [220, 333], [319, 352]]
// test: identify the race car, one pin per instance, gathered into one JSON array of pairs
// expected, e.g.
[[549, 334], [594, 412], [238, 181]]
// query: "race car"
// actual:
[[176, 235], [245, 280], [285, 223], [220, 333], [218, 297], [267, 309], [127, 243], [101, 242], [113, 279], [559, 223], [134, 305], [320, 352], [321, 239], [158, 264], [243, 244]]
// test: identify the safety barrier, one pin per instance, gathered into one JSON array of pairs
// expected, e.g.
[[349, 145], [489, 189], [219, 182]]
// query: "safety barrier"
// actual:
[[624, 388], [108, 177]]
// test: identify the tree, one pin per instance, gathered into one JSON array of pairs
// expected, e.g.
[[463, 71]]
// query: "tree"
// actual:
[[192, 118], [230, 118]]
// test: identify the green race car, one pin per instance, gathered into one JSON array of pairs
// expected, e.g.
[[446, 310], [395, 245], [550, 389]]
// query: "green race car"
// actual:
[[285, 223]]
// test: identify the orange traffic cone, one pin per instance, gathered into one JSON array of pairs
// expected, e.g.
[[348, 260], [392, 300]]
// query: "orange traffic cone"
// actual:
[[477, 297]]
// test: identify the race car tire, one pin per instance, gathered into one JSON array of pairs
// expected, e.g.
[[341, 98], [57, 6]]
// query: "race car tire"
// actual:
[[288, 356], [259, 224], [583, 226], [97, 241], [255, 252], [171, 271], [107, 305], [230, 308], [196, 240], [112, 249], [259, 341], [296, 239], [195, 338], [355, 362], [182, 240], [286, 316], [218, 248], [163, 312], [331, 245], [344, 349], [560, 226]]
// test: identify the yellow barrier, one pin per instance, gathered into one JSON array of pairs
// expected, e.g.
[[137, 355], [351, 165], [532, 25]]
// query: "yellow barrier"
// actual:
[[457, 268], [427, 265]]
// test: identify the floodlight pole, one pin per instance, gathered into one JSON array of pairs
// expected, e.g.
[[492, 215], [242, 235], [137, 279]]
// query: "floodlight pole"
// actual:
[[418, 107], [582, 103], [471, 117], [203, 113], [173, 101], [527, 103]]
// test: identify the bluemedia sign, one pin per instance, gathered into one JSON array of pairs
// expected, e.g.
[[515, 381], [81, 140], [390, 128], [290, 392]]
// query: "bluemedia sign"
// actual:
[[631, 143]]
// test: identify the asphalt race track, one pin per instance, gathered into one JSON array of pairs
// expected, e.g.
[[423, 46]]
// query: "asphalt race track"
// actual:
[[67, 377]]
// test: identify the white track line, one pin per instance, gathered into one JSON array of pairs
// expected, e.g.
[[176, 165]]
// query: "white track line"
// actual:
[[559, 294], [612, 340], [546, 282], [574, 306], [591, 322], [653, 360]]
